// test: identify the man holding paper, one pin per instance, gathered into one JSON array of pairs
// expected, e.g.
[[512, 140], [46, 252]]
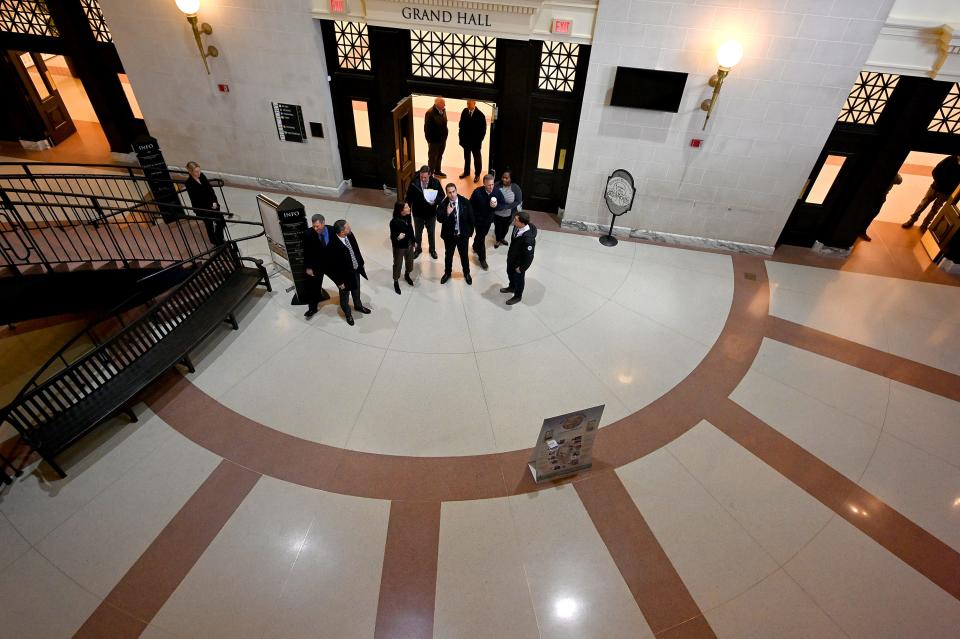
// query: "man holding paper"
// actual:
[[422, 197]]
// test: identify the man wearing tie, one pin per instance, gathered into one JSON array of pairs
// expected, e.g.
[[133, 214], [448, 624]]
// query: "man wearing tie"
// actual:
[[520, 255], [422, 196], [473, 128], [345, 266], [316, 239], [456, 227]]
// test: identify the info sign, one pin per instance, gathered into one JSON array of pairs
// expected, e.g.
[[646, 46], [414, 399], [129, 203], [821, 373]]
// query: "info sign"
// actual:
[[289, 119], [565, 445]]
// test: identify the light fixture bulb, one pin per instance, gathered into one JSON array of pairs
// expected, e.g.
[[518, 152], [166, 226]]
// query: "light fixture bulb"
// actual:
[[729, 54], [189, 7]]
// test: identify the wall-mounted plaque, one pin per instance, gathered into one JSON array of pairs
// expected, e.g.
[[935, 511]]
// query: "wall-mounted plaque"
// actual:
[[289, 119]]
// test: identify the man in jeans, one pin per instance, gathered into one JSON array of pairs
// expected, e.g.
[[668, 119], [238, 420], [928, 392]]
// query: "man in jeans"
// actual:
[[946, 177]]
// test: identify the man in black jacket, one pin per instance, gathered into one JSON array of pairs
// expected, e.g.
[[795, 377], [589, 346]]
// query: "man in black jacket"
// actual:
[[421, 189], [345, 266], [520, 255], [435, 128], [204, 202], [946, 178], [456, 227], [316, 241], [473, 128], [483, 202]]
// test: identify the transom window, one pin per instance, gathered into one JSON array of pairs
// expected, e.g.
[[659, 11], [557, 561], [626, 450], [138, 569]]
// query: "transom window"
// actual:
[[453, 56], [353, 45], [30, 17], [948, 117], [95, 17], [868, 97], [558, 65]]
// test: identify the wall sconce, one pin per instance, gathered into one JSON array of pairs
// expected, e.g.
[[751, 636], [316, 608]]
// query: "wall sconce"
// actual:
[[190, 8], [728, 55]]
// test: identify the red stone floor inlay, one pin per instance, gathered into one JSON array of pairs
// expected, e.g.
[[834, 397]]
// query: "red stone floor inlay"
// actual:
[[143, 590], [926, 554], [900, 369], [408, 585], [663, 599]]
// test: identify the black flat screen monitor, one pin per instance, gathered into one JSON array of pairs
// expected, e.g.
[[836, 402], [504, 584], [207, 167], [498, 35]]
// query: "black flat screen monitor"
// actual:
[[648, 89]]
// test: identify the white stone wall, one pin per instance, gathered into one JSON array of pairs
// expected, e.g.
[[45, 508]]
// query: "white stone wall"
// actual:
[[270, 51], [777, 108]]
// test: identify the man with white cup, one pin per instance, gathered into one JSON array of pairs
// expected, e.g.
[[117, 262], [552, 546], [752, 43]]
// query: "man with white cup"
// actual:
[[483, 201]]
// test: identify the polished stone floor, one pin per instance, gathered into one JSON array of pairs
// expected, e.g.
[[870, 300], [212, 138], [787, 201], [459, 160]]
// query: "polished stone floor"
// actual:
[[779, 457]]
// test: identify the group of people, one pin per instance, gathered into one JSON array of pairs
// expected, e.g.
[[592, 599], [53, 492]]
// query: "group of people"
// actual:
[[336, 253], [472, 130]]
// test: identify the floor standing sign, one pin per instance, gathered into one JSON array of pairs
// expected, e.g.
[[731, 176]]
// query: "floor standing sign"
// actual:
[[293, 222], [565, 445], [158, 177]]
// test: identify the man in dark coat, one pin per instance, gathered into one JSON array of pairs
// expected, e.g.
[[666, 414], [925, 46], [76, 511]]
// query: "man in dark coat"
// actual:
[[204, 201], [345, 267], [473, 128], [424, 210], [456, 227], [484, 203], [946, 178], [435, 128], [316, 241], [520, 255]]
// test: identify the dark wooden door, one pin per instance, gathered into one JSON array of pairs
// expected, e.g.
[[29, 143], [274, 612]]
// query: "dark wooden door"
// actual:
[[820, 196], [42, 92], [549, 151], [404, 160]]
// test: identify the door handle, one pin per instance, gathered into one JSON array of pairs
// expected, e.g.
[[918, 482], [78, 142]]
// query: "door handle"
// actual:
[[562, 160]]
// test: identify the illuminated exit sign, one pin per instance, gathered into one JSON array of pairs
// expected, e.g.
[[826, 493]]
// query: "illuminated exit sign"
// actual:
[[559, 26], [336, 6]]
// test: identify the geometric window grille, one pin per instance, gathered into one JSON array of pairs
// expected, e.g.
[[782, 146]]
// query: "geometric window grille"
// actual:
[[453, 56], [353, 45], [948, 118], [95, 17], [26, 16], [868, 97], [558, 65]]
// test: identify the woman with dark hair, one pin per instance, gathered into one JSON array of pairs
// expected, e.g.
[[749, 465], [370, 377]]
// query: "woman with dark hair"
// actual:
[[509, 199], [401, 237]]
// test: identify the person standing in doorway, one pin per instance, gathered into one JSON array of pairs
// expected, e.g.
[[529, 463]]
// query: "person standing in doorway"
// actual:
[[483, 201], [345, 267], [509, 201], [316, 241], [204, 202], [896, 182], [435, 128], [473, 128], [422, 196], [401, 238], [520, 255], [946, 178], [456, 227]]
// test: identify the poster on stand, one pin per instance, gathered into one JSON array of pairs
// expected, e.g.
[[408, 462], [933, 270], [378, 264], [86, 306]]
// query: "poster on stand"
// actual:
[[565, 444]]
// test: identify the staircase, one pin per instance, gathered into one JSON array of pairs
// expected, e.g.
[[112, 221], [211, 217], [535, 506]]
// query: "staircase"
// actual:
[[98, 237]]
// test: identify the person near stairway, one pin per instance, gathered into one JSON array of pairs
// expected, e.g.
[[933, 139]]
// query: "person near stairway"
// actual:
[[204, 202]]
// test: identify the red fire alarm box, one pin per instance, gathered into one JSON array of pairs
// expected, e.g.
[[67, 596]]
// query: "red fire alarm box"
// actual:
[[336, 6], [696, 142], [223, 88], [561, 26]]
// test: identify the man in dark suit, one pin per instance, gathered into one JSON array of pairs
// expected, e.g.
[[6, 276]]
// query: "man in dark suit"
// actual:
[[316, 241], [204, 201], [520, 255], [484, 203], [345, 267], [473, 128], [424, 211], [456, 227], [435, 128]]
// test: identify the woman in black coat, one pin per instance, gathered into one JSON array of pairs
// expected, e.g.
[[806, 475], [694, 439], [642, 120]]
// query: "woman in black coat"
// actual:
[[401, 237], [204, 202]]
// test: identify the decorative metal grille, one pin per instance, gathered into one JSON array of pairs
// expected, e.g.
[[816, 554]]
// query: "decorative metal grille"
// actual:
[[453, 56], [353, 45], [558, 65], [948, 117], [26, 16], [95, 17], [868, 97]]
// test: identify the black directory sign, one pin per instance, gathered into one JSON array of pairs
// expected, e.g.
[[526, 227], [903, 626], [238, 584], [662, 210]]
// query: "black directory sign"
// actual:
[[293, 222], [289, 119], [155, 171]]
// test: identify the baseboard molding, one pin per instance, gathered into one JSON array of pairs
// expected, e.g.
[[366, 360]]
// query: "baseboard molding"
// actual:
[[673, 239], [283, 186]]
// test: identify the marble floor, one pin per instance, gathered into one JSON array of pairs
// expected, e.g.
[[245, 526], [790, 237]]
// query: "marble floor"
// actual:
[[779, 456]]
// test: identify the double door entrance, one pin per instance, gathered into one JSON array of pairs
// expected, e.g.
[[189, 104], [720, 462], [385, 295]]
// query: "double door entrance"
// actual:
[[382, 84]]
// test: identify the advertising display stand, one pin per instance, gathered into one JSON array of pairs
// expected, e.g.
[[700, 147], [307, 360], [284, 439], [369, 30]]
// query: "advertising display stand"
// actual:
[[565, 444], [292, 217], [618, 195], [157, 174]]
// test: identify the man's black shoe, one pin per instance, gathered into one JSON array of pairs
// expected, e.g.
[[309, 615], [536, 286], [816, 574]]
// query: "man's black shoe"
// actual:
[[484, 266], [463, 175], [469, 279], [363, 309], [440, 175], [310, 313], [507, 289], [350, 320], [446, 276], [513, 300], [417, 253], [433, 254], [396, 286], [407, 279]]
